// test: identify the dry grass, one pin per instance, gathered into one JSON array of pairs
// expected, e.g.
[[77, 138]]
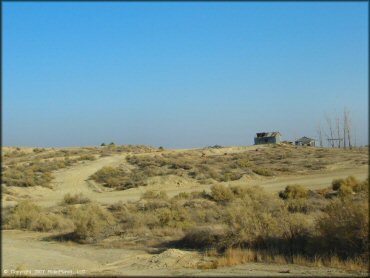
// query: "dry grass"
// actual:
[[293, 192], [244, 224], [203, 168], [238, 256], [78, 198], [29, 216], [92, 222]]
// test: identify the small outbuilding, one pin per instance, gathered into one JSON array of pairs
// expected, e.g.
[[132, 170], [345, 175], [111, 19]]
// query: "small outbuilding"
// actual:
[[267, 138], [305, 141]]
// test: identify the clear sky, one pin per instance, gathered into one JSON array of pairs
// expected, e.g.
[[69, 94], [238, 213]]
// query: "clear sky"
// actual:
[[178, 74]]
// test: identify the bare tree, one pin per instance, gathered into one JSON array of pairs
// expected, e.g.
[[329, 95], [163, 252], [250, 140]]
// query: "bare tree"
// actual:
[[330, 136], [338, 133], [347, 127]]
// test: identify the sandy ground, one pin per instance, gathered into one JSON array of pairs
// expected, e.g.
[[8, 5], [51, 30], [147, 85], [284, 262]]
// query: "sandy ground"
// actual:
[[29, 251], [75, 180]]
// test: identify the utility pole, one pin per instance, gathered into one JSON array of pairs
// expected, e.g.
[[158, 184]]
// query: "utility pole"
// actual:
[[344, 130], [347, 127], [330, 126]]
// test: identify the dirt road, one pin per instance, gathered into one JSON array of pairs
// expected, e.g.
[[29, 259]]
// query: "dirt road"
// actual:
[[29, 252], [75, 180]]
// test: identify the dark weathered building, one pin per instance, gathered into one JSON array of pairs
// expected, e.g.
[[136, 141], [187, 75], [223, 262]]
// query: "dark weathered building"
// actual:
[[267, 138], [305, 141]]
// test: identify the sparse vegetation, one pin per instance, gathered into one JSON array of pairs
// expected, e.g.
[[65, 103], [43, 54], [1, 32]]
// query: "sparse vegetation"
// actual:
[[240, 223], [92, 222], [75, 199], [38, 172], [293, 192], [29, 216], [224, 168]]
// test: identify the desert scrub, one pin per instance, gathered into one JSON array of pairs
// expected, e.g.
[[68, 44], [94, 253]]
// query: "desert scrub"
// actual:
[[346, 187], [293, 192], [349, 182], [110, 149], [122, 179], [22, 176], [29, 216], [92, 222], [262, 171], [35, 172], [221, 193], [77, 198], [151, 194], [87, 157], [344, 227], [202, 238]]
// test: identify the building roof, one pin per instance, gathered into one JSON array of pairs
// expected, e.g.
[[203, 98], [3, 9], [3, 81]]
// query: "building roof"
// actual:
[[268, 134], [305, 139]]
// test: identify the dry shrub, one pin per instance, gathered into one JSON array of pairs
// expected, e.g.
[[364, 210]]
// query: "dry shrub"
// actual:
[[105, 173], [297, 205], [362, 187], [122, 179], [344, 191], [344, 227], [293, 192], [29, 216], [207, 264], [253, 217], [182, 195], [36, 172], [237, 256], [87, 157], [238, 191], [151, 194], [77, 198], [263, 171], [174, 217], [203, 237], [349, 182], [22, 176], [92, 222], [221, 193]]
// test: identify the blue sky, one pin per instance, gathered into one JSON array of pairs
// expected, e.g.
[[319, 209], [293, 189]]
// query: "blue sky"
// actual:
[[178, 74]]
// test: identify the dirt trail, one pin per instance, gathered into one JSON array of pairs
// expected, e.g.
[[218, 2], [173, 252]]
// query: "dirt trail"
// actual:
[[311, 181], [29, 251], [75, 180]]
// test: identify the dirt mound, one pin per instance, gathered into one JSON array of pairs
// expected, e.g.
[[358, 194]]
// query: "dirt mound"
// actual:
[[173, 258]]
